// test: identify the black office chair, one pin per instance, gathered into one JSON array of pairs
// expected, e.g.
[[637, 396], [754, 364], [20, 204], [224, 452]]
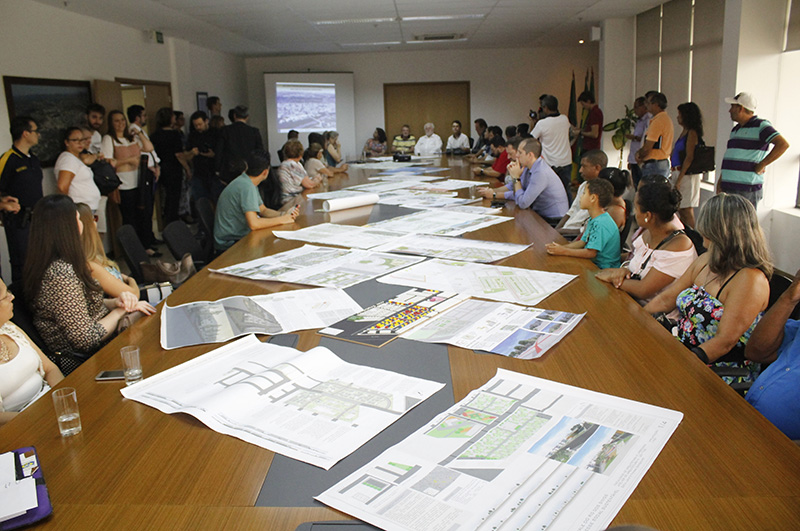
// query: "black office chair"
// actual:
[[133, 251], [66, 360], [205, 215], [180, 241], [626, 230]]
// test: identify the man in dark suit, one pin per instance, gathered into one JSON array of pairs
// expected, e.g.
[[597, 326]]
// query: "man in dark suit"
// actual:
[[235, 143]]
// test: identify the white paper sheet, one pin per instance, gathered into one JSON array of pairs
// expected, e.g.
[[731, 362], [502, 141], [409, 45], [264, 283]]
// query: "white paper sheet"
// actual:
[[477, 210], [398, 197], [499, 283], [450, 184], [335, 194], [437, 201], [218, 321], [382, 186], [350, 236], [518, 451], [343, 203], [404, 176], [497, 327], [450, 248], [320, 266], [439, 221], [310, 406]]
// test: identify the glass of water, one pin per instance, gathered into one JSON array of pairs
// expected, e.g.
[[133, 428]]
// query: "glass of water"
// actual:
[[131, 364], [65, 401]]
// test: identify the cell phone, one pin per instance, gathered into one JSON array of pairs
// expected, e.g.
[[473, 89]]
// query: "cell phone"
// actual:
[[532, 114], [103, 376]]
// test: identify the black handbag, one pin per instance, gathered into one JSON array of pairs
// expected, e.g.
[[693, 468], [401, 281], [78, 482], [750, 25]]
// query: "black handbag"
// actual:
[[105, 178], [703, 160]]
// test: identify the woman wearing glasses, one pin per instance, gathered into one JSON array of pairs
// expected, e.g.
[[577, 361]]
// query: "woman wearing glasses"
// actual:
[[75, 178]]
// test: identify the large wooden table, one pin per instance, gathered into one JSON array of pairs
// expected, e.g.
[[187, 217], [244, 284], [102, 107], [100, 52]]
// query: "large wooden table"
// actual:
[[725, 467]]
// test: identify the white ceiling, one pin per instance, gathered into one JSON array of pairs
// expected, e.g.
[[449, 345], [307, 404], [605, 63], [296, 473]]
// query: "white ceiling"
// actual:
[[275, 27]]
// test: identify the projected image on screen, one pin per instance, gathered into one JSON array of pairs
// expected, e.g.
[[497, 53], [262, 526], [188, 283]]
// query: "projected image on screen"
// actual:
[[306, 107]]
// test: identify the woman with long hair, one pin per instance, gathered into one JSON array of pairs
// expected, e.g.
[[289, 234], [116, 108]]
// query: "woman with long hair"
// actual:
[[690, 118], [661, 250], [104, 270], [68, 307], [376, 146], [722, 295], [73, 177], [168, 144]]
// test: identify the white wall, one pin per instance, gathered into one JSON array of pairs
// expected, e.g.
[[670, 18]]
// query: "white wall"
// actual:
[[616, 77], [45, 42], [504, 83]]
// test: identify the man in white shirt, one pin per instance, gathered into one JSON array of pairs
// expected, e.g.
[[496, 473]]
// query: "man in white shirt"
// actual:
[[137, 117], [637, 137], [457, 140], [430, 143], [95, 115], [552, 130]]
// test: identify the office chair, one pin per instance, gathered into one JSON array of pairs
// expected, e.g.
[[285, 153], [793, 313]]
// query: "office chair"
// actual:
[[133, 251], [626, 230], [180, 241], [205, 215]]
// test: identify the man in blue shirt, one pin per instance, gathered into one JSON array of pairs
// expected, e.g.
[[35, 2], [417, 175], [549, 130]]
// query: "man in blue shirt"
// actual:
[[240, 208], [535, 183], [776, 392]]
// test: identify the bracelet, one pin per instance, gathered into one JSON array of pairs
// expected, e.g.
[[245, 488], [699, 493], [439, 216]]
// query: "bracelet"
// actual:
[[701, 354]]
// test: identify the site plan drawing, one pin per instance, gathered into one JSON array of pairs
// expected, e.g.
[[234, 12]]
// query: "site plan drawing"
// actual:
[[386, 320], [321, 266], [310, 406], [201, 322], [448, 247], [520, 452], [499, 283], [450, 184], [439, 221], [350, 236], [498, 327]]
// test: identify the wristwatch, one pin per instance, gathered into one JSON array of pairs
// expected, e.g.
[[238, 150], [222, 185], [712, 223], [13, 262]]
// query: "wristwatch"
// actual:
[[494, 194], [482, 171]]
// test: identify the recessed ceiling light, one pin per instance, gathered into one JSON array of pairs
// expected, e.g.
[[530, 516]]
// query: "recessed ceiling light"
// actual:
[[440, 17], [388, 43], [436, 40], [581, 41], [354, 21]]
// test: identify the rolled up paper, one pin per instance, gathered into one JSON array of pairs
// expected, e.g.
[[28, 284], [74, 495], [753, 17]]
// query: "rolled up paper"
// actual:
[[343, 203]]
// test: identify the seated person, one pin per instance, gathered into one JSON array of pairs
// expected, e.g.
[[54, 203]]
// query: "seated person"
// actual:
[[292, 174], [240, 208], [314, 163], [68, 307], [376, 146], [429, 144], [661, 250], [458, 142], [600, 240], [333, 149], [532, 183], [104, 271], [776, 392], [25, 372], [721, 296], [511, 130], [572, 223], [404, 142], [498, 169], [619, 180]]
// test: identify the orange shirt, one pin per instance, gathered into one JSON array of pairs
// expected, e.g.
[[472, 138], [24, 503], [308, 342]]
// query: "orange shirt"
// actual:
[[661, 132]]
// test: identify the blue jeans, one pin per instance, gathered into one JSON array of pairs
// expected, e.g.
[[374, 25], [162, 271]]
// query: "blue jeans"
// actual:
[[655, 168], [754, 196]]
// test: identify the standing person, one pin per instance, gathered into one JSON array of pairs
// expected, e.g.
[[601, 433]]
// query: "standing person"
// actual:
[[95, 114], [653, 156], [73, 177], [636, 138], [552, 130], [746, 156], [20, 188], [203, 182], [148, 177], [405, 141], [430, 143], [236, 142], [457, 141], [122, 146], [169, 147], [376, 146], [480, 129], [214, 106], [592, 129], [688, 185]]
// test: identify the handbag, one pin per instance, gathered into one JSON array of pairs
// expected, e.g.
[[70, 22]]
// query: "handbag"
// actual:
[[703, 160], [156, 292], [168, 271], [105, 178]]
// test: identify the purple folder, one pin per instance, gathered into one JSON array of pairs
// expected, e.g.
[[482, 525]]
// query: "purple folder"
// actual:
[[44, 509]]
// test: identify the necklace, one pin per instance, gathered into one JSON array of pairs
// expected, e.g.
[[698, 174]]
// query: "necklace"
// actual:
[[5, 353]]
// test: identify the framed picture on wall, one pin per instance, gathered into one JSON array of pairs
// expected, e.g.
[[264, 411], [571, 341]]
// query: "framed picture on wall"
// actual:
[[55, 104], [202, 97]]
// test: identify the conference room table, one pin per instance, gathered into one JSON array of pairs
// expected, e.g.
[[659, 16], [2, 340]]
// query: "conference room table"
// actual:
[[133, 467]]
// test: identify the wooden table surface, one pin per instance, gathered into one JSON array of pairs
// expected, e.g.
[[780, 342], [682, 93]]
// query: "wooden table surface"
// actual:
[[725, 467]]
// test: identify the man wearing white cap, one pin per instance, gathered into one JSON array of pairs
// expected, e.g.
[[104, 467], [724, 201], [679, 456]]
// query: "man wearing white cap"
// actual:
[[746, 156]]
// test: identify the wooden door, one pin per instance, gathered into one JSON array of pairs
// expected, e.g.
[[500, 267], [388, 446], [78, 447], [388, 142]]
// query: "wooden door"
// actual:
[[155, 97], [108, 94], [416, 104]]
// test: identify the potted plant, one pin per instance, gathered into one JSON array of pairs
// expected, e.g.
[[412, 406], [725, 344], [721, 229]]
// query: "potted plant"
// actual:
[[622, 127]]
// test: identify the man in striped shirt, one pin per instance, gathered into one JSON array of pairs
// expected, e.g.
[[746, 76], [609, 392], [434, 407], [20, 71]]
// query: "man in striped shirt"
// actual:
[[746, 156]]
